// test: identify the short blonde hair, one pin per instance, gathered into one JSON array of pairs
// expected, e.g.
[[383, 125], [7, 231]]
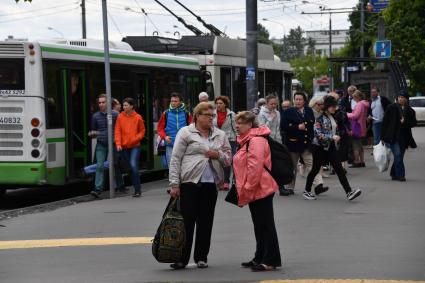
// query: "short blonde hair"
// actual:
[[358, 94], [246, 117], [352, 88], [201, 107], [314, 100]]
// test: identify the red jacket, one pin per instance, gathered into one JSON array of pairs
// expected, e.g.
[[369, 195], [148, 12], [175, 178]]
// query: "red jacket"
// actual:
[[253, 182], [129, 130]]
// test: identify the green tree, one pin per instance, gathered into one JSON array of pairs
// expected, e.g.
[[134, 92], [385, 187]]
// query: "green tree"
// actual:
[[263, 36], [311, 46], [294, 44], [308, 67], [356, 36], [405, 27]]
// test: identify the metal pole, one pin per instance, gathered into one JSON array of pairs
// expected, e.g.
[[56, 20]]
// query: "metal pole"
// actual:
[[362, 28], [331, 80], [251, 53], [83, 17], [145, 24], [108, 98], [381, 36]]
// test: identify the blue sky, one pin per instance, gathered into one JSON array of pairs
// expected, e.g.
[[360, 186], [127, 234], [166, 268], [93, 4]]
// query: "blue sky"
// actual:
[[32, 21]]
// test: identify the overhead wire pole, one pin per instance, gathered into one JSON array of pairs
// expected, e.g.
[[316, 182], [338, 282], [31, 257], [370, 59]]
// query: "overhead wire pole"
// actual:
[[83, 18], [108, 98], [362, 29], [251, 53], [330, 12]]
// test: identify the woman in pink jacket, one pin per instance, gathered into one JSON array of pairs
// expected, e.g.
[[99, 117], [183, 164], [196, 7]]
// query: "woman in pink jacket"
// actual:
[[358, 127], [256, 187]]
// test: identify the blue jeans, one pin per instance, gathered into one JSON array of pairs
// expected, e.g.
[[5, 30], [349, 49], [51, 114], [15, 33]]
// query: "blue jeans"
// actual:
[[397, 169], [133, 156], [101, 154], [168, 153], [376, 129]]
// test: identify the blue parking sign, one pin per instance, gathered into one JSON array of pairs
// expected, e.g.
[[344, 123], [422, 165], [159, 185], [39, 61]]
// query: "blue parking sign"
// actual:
[[379, 5], [383, 49]]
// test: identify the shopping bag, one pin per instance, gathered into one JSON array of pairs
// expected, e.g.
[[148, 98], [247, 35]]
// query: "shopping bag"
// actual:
[[382, 156], [170, 238]]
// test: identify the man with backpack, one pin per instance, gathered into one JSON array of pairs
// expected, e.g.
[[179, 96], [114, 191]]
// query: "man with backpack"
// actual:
[[171, 121]]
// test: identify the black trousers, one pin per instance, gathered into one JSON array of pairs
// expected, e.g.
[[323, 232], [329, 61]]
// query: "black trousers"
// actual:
[[267, 249], [197, 203], [319, 157]]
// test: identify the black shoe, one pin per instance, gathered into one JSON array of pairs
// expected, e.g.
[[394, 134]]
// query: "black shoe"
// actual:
[[202, 264], [96, 193], [285, 192], [249, 264], [362, 164], [177, 265], [320, 189], [356, 165], [137, 195], [332, 172], [354, 194], [291, 191], [401, 179], [262, 267]]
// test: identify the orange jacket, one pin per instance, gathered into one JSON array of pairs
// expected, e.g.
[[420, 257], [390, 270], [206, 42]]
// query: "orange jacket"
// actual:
[[129, 130]]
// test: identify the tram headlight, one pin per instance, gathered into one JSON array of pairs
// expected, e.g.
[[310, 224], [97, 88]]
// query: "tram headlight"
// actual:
[[35, 143], [35, 153], [35, 122], [35, 132]]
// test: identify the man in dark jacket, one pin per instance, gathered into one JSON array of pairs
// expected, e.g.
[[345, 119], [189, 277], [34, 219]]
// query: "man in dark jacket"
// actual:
[[347, 102], [399, 118], [376, 113], [99, 130], [297, 124]]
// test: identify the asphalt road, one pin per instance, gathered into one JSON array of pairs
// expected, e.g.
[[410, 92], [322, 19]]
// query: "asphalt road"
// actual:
[[379, 236]]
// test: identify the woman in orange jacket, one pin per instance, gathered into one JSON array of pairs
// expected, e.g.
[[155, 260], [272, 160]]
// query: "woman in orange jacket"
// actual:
[[129, 131], [256, 187]]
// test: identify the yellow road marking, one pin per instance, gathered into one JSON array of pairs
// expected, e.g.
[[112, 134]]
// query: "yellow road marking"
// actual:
[[340, 281], [52, 243]]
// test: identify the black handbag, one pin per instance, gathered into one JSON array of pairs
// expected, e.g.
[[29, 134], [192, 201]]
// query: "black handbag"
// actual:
[[232, 196], [170, 237], [123, 164], [161, 148]]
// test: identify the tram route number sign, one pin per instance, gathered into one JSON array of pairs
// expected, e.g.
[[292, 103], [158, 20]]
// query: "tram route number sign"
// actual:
[[10, 120], [6, 92]]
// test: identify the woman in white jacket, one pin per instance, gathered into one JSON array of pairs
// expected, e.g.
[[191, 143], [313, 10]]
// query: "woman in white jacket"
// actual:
[[270, 117]]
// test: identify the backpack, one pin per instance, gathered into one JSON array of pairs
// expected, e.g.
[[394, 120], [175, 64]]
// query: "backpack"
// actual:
[[170, 238], [166, 117], [282, 169]]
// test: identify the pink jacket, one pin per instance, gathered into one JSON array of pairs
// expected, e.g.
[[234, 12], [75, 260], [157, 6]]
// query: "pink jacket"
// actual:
[[253, 182], [360, 114]]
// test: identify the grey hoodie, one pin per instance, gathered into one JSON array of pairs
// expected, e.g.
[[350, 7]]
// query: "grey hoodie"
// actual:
[[265, 118]]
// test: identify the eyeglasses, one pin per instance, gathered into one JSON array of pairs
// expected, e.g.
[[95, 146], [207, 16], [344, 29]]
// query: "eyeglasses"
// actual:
[[208, 115]]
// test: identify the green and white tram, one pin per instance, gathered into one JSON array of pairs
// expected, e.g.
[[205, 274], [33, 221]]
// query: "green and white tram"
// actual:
[[48, 93]]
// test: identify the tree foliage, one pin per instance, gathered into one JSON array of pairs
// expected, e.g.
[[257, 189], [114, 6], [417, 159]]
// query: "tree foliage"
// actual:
[[294, 44], [308, 67], [405, 27]]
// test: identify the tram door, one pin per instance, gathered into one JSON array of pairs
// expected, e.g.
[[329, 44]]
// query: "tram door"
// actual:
[[144, 108], [76, 114]]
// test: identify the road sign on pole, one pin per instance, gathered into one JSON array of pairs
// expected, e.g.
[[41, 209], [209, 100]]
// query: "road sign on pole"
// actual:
[[379, 5], [383, 49]]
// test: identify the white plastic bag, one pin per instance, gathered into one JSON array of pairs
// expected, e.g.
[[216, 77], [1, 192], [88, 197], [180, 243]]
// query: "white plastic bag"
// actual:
[[382, 157]]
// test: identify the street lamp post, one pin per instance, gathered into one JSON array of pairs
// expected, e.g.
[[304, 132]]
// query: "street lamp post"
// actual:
[[283, 36], [55, 30]]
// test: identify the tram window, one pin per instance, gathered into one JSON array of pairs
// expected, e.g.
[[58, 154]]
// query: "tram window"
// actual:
[[12, 75], [239, 89], [163, 84], [226, 81], [54, 102]]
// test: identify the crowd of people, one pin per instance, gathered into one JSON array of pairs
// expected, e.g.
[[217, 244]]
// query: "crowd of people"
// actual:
[[204, 147]]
